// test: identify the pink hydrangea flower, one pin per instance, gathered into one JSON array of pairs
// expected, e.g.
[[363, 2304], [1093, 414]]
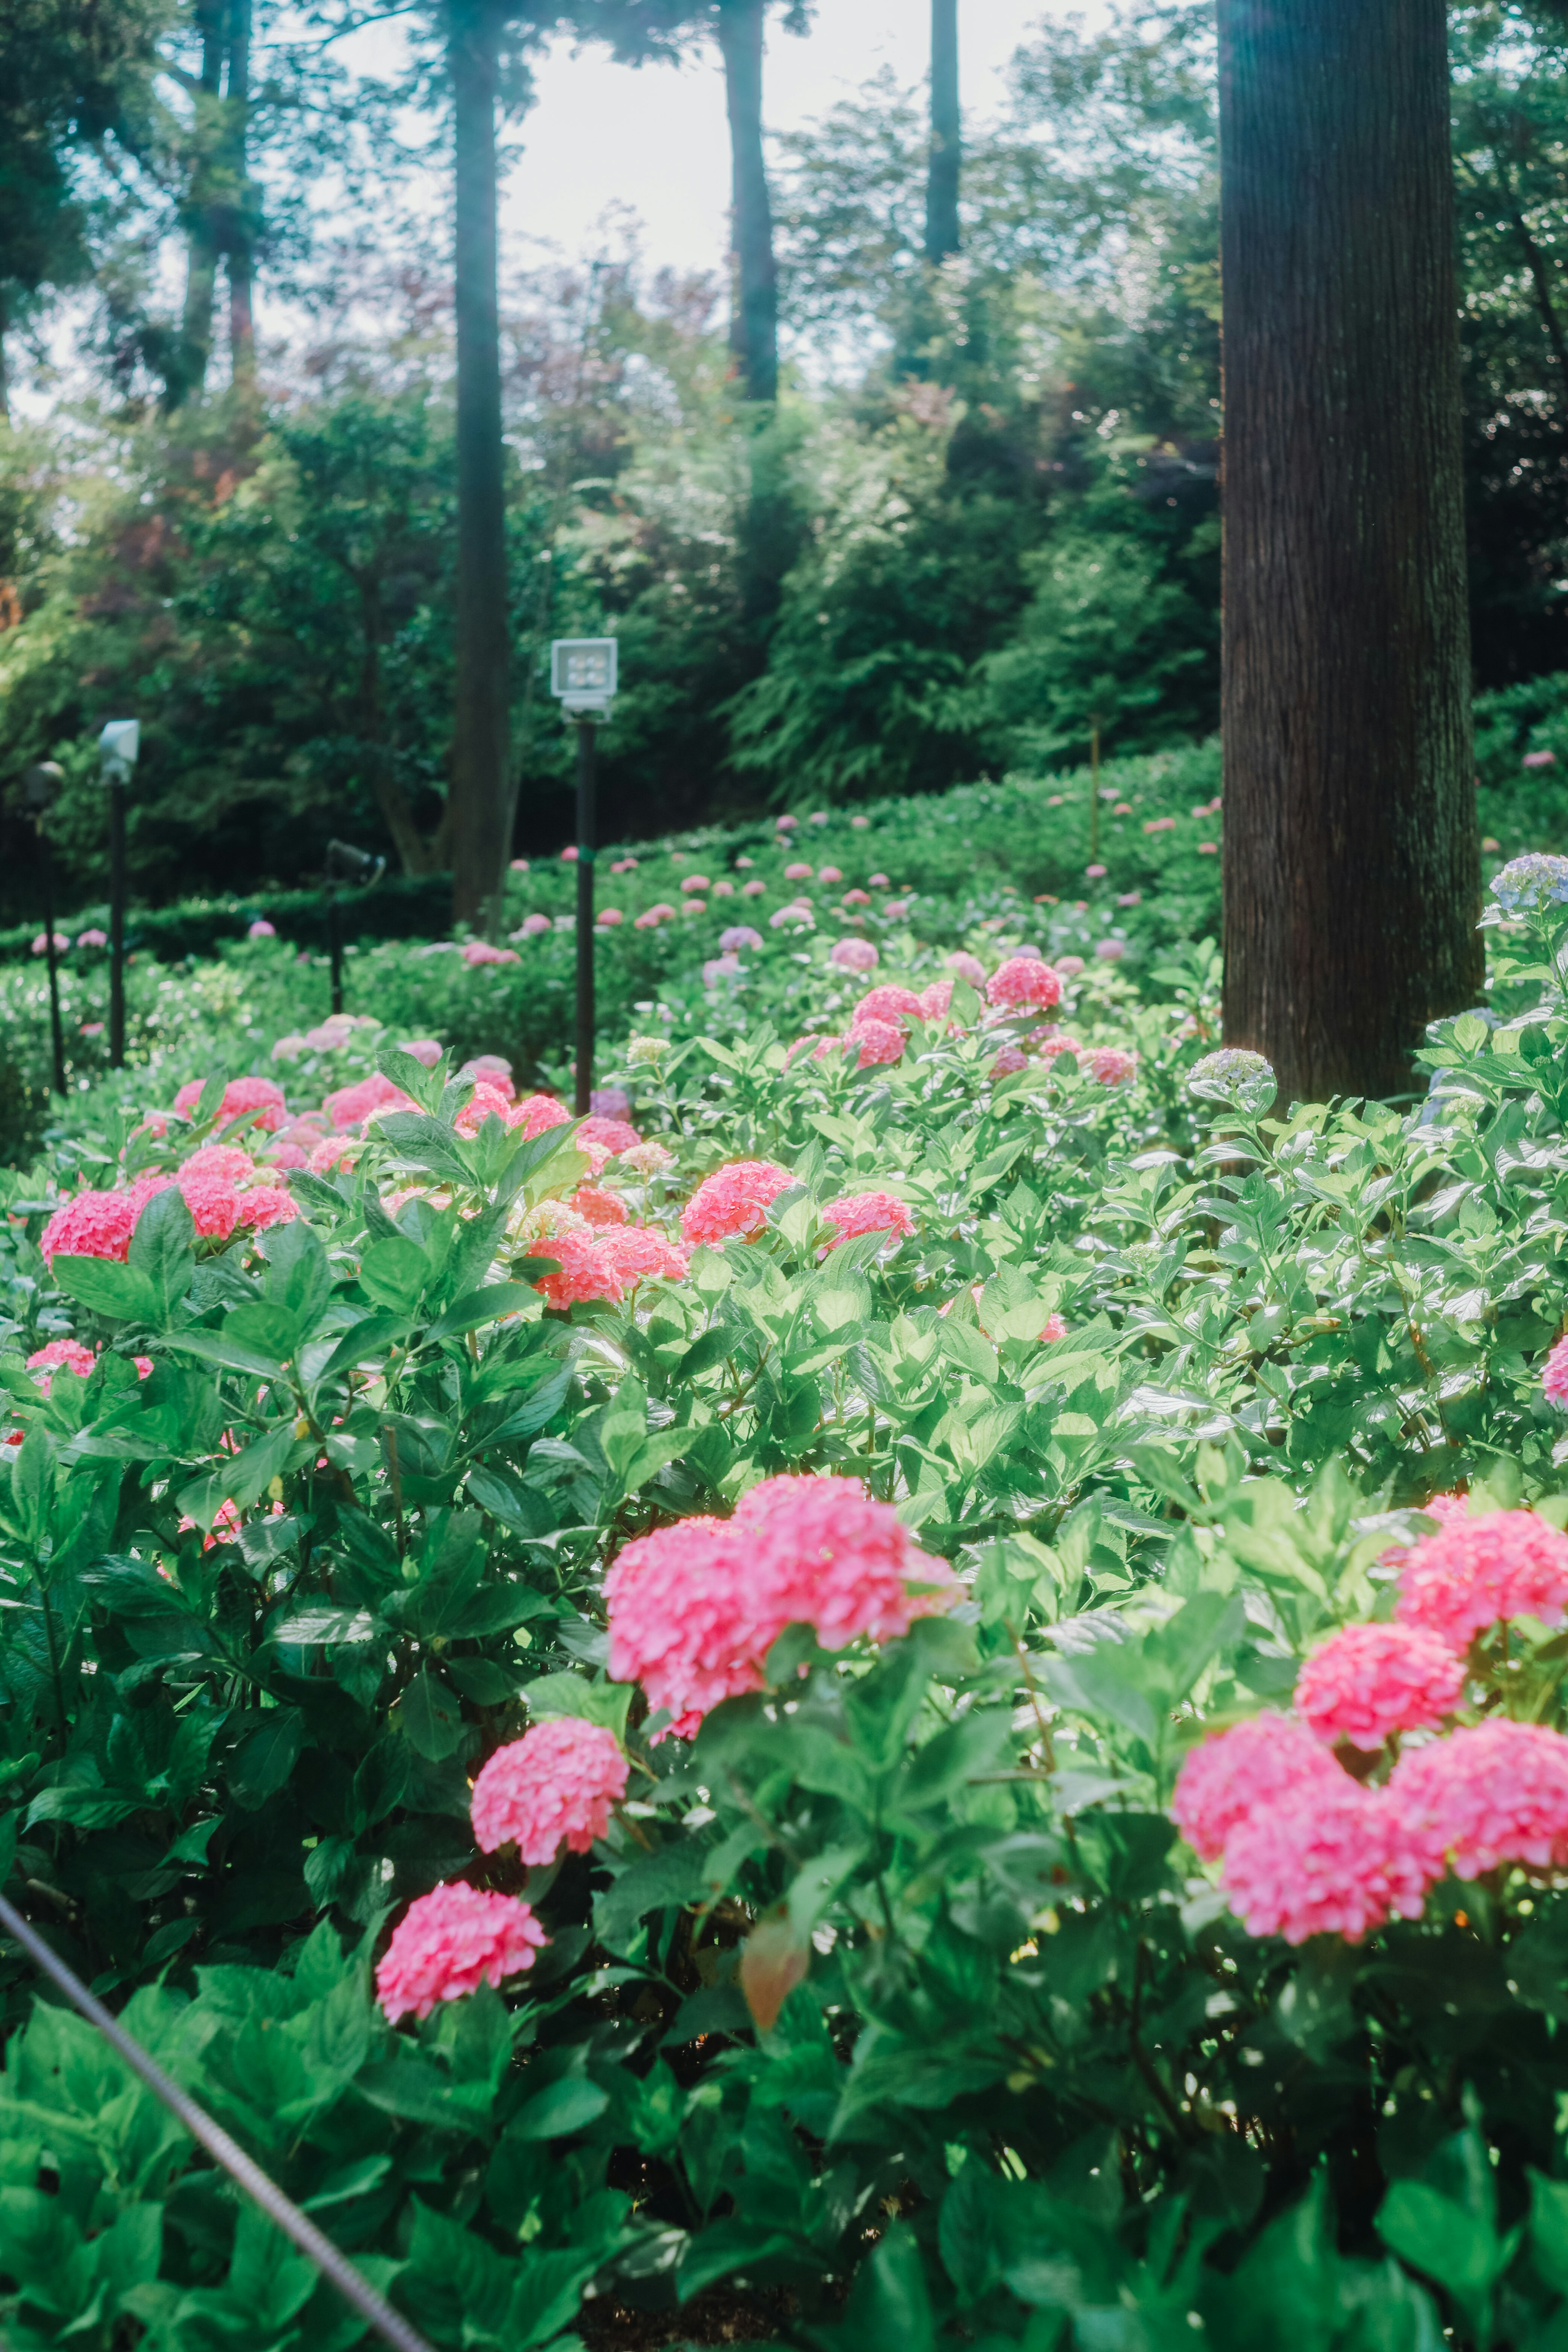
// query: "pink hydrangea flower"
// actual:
[[606, 1265], [92, 1225], [853, 955], [1331, 1861], [1109, 1065], [1009, 1062], [224, 1161], [261, 1205], [1554, 1379], [1494, 1794], [887, 1001], [213, 1203], [1371, 1680], [692, 882], [1474, 1572], [262, 929], [610, 1136], [1024, 980], [681, 1619], [427, 1050], [240, 1095], [866, 1213], [1263, 1761], [534, 1113], [487, 1101], [60, 1355], [1096, 873], [822, 1552], [936, 1000], [351, 1106], [855, 899], [556, 1783], [797, 873], [448, 1943], [739, 936], [878, 1041], [476, 952], [636, 1254], [967, 967], [733, 1199], [753, 890], [332, 1153], [600, 1208], [609, 916], [1071, 966]]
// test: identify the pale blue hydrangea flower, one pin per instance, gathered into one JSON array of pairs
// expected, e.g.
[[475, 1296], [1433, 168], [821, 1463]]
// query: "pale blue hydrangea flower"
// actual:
[[1540, 880], [1237, 1077]]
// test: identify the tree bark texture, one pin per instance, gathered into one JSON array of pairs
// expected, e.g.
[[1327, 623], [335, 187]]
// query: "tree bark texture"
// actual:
[[754, 314], [942, 168], [479, 799], [201, 204], [240, 239], [1352, 866]]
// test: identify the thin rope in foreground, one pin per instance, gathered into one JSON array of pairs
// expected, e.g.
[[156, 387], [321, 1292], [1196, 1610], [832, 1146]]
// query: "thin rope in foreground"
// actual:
[[281, 2209]]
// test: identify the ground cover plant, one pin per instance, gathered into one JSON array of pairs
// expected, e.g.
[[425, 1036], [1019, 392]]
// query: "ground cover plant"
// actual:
[[913, 1678]]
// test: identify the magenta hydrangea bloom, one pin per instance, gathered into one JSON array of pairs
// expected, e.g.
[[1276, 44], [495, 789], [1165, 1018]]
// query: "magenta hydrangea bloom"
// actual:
[[240, 1096], [1371, 1680], [555, 1785], [606, 1264], [92, 1225], [967, 967], [935, 1000], [853, 954], [1024, 980], [682, 1620], [448, 1943], [1494, 1794], [60, 1355], [1265, 1761], [733, 1199], [866, 1213], [1474, 1572], [348, 1105], [534, 1113], [1009, 1062], [1554, 1377], [823, 1553], [877, 1041], [888, 1002], [1332, 1860]]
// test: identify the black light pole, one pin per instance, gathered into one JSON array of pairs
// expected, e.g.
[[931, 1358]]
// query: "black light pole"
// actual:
[[41, 783], [586, 779], [118, 747], [583, 676], [345, 864]]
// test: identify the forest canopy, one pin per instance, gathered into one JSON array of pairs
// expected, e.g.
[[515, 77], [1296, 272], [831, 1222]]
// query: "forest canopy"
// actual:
[[980, 520]]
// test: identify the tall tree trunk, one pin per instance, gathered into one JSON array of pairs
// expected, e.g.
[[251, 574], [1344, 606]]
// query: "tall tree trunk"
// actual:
[[240, 238], [941, 170], [479, 796], [754, 313], [1351, 870], [203, 230]]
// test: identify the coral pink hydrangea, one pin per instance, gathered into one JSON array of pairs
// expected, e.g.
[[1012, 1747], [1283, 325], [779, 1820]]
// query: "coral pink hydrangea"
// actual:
[[607, 1135], [600, 1208], [866, 1213], [1555, 1376], [1334, 1860], [887, 1001], [90, 1224], [733, 1199], [1474, 1572], [1109, 1065], [822, 1552], [1023, 981], [534, 1113], [451, 1941], [556, 1783], [349, 1105], [878, 1041], [1371, 1680], [487, 1101], [1494, 1794], [60, 1355], [935, 1000], [967, 967], [637, 1253], [240, 1096], [1264, 1761], [682, 1620], [606, 1264]]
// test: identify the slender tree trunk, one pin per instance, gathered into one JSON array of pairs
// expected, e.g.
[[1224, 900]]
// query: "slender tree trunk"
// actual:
[[943, 169], [392, 801], [240, 238], [755, 315], [202, 234], [479, 796], [1352, 870]]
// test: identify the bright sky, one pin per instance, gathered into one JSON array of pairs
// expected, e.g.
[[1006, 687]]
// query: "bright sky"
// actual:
[[657, 138]]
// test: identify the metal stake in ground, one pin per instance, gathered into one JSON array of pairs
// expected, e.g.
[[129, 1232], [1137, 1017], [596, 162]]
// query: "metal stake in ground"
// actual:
[[40, 785], [582, 676], [281, 2211], [118, 747]]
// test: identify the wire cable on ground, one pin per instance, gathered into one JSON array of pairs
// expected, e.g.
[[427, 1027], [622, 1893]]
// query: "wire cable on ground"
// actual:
[[279, 2210]]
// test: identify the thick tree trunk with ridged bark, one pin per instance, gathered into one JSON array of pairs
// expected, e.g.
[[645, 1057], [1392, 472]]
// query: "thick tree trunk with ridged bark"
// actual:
[[1351, 870], [479, 799], [946, 131]]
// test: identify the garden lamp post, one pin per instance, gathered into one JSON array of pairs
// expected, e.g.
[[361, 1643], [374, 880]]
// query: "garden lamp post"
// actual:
[[118, 747], [582, 677], [361, 867], [39, 786]]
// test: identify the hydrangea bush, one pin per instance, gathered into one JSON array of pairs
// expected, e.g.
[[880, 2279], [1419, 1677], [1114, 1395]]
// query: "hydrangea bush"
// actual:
[[922, 1689]]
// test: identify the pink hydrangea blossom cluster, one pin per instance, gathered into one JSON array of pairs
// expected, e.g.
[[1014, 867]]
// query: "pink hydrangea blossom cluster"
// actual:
[[694, 1608], [874, 1043], [890, 1001], [1477, 1570], [866, 1213], [1492, 1794], [60, 1355], [599, 1207], [1369, 1680], [1335, 1861], [606, 1264], [1264, 1761], [449, 1942], [555, 1785], [1110, 1064], [1555, 1376], [351, 1106], [853, 955], [240, 1096], [1023, 982], [733, 1201]]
